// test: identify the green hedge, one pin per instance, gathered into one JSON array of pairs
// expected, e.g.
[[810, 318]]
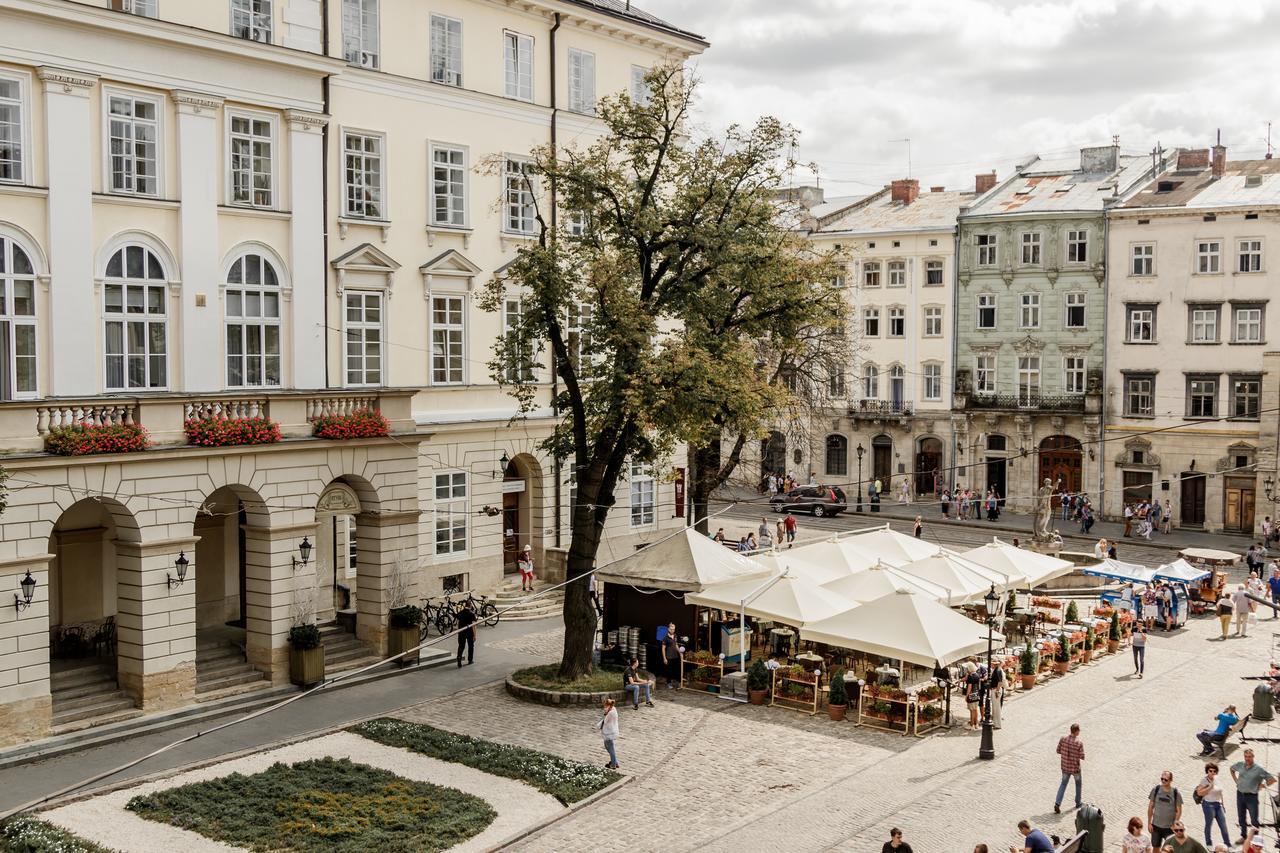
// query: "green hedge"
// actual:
[[566, 780], [28, 835]]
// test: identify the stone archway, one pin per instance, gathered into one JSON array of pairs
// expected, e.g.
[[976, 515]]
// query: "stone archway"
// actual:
[[337, 548], [523, 510]]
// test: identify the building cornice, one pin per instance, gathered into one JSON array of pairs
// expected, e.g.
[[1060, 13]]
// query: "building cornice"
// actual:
[[437, 94], [71, 82], [195, 103], [305, 121]]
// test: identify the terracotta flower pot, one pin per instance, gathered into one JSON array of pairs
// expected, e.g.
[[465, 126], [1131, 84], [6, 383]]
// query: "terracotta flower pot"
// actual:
[[1112, 645], [1086, 656], [1028, 681], [757, 697], [1061, 667], [837, 712]]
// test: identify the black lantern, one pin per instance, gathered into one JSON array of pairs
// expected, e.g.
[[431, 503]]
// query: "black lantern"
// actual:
[[181, 565], [860, 450], [28, 585], [987, 747], [304, 551]]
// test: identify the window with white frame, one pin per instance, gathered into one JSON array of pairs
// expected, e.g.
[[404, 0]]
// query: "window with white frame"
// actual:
[[932, 380], [643, 507], [897, 384], [519, 366], [252, 307], [1250, 256], [251, 153], [133, 134], [1247, 324], [363, 174], [1202, 396], [1073, 374], [1029, 311], [363, 328], [360, 32], [448, 186], [1028, 378], [347, 550], [1204, 325], [897, 322], [871, 322], [251, 19], [986, 318], [447, 340], [871, 274], [984, 374], [1246, 396], [17, 321], [933, 321], [1208, 257], [932, 273], [12, 130], [897, 273], [870, 381], [986, 245], [451, 513], [582, 81], [835, 380], [1077, 246], [640, 93], [1142, 259], [1140, 395], [446, 50], [578, 338], [1031, 248], [518, 54], [520, 212], [1141, 324], [1074, 316], [135, 298], [142, 8]]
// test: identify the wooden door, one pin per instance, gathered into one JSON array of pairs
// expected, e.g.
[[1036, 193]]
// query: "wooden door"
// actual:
[[1061, 464], [881, 462], [1237, 509], [1192, 498]]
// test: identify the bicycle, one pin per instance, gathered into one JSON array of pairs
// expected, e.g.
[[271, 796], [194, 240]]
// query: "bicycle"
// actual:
[[441, 615], [485, 609]]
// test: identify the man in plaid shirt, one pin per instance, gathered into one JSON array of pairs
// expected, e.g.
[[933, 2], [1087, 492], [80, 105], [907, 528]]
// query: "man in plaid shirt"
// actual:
[[1072, 752]]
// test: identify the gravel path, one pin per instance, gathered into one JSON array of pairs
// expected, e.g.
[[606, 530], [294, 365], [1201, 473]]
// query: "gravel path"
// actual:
[[105, 820]]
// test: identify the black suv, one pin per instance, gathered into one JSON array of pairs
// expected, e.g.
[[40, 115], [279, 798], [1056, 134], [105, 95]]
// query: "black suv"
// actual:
[[819, 500]]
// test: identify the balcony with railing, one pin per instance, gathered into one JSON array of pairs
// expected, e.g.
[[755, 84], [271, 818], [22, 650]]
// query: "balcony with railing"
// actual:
[[874, 409], [1056, 403]]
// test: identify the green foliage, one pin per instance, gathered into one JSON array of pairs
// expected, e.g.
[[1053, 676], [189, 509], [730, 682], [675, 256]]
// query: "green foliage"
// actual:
[[568, 781], [406, 616], [1073, 612], [838, 696], [1027, 662], [304, 637], [28, 835], [757, 675], [1113, 630], [1063, 653], [602, 679], [1089, 639], [326, 805]]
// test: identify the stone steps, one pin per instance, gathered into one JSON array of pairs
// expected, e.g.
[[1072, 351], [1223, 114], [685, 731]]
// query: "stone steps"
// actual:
[[221, 670], [342, 651], [69, 726], [85, 693], [89, 708]]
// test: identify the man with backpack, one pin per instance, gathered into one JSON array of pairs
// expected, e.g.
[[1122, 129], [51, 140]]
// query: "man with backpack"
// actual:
[[1164, 809]]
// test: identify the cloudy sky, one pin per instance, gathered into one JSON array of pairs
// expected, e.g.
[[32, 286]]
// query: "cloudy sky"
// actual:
[[982, 84]]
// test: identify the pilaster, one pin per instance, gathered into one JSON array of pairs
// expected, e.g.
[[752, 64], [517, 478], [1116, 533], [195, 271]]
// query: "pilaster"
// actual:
[[275, 598], [387, 543], [155, 624], [306, 229], [26, 708]]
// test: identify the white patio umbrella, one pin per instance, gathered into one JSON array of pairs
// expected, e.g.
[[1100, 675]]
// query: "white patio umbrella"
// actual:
[[830, 553], [964, 581], [802, 564], [1005, 558], [882, 579], [792, 600], [903, 625], [883, 543], [683, 561]]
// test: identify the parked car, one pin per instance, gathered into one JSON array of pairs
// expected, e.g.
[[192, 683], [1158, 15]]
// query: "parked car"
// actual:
[[820, 500]]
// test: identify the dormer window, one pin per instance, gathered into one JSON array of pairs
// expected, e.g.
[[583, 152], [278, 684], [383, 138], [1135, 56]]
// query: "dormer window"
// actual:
[[1167, 186], [1252, 181]]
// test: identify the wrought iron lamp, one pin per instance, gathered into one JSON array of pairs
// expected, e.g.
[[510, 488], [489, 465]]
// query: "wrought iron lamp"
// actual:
[[180, 565], [28, 585]]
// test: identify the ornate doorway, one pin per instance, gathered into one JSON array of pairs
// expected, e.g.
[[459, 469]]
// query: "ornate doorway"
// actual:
[[1061, 464], [928, 465]]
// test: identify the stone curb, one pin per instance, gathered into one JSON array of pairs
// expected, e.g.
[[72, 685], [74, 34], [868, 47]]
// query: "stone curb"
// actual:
[[568, 810], [563, 698]]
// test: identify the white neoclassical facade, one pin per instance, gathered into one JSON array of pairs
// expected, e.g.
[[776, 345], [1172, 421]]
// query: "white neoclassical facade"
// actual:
[[241, 207]]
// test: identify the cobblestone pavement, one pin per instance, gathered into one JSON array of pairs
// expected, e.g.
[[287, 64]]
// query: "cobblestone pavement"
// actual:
[[544, 644], [714, 775]]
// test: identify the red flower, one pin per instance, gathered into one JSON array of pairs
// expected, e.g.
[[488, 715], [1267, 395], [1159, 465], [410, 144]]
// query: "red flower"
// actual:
[[361, 423], [87, 439], [228, 432]]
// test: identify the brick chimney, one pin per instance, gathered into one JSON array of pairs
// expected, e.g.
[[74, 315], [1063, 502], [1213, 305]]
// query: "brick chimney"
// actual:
[[937, 189], [905, 191], [1219, 163], [984, 181], [1193, 158]]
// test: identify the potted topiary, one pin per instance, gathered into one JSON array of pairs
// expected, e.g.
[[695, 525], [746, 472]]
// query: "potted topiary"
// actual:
[[1086, 651], [1073, 612], [1027, 666], [1113, 632], [1062, 655], [404, 632], [757, 682], [837, 698], [306, 655]]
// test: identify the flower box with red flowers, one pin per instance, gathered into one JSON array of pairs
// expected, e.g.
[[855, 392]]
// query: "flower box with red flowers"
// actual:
[[229, 432], [362, 423], [87, 439]]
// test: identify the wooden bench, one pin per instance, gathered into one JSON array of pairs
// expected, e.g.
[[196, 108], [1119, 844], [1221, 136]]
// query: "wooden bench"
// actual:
[[1073, 844], [1220, 741]]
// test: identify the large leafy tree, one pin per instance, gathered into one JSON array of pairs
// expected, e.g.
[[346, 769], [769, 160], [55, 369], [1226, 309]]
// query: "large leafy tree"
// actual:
[[670, 267]]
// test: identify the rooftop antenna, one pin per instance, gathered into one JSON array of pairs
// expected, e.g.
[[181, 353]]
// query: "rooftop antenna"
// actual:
[[908, 141], [1268, 157]]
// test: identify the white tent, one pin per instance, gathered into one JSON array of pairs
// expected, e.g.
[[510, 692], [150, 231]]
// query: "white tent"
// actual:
[[880, 580], [1116, 570], [835, 560], [1006, 559], [964, 581], [686, 561], [801, 563], [903, 625], [792, 600], [883, 543], [1182, 572]]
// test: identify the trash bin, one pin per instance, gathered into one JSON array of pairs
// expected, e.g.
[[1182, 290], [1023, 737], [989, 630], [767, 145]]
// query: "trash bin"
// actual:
[[1262, 699], [1089, 819]]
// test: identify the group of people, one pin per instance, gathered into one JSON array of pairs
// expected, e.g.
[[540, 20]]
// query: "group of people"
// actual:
[[980, 687], [1157, 603], [782, 484], [970, 504], [763, 537], [1145, 517], [1242, 605]]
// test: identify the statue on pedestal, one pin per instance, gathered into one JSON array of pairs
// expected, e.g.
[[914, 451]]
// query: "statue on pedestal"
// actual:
[[1042, 519]]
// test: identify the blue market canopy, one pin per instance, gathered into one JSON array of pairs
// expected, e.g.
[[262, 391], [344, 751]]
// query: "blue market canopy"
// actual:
[[1182, 572], [1116, 570]]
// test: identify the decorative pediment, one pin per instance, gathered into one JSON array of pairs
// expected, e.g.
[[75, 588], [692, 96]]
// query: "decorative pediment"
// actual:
[[367, 266], [1137, 454], [1231, 462], [450, 268], [985, 349], [1074, 349], [1028, 346]]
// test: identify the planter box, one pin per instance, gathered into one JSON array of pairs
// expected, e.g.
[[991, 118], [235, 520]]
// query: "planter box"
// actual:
[[306, 666], [399, 639]]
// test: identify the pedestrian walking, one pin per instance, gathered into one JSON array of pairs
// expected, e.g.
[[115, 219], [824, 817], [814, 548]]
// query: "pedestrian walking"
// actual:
[[1250, 777], [1135, 840], [763, 529], [671, 656], [904, 491], [895, 844], [1033, 840], [1167, 515], [1273, 583], [1139, 642], [972, 692], [995, 694], [1164, 809], [782, 531], [1240, 601], [524, 563], [1156, 513], [946, 503], [609, 732], [1225, 610], [790, 524], [1071, 752], [919, 529], [467, 634], [1209, 792], [1128, 520]]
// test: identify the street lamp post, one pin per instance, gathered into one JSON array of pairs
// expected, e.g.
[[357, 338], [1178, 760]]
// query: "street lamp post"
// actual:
[[987, 748], [860, 451]]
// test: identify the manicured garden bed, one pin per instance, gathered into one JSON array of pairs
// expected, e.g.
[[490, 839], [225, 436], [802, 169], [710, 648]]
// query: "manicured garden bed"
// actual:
[[547, 677], [325, 805], [566, 780], [28, 835]]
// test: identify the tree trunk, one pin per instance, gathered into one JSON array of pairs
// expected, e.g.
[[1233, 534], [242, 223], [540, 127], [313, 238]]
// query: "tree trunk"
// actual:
[[710, 471], [580, 617]]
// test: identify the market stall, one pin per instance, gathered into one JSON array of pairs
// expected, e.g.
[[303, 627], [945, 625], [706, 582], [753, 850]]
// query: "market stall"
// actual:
[[1208, 590]]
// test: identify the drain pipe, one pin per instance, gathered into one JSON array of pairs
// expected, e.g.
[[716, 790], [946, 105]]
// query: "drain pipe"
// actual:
[[556, 470]]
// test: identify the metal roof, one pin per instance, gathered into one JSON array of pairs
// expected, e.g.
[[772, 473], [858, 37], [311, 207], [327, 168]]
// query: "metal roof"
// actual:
[[880, 214], [628, 10], [1244, 183], [1050, 186]]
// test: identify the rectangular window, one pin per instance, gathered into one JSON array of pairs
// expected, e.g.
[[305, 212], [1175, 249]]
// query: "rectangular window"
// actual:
[[932, 273], [364, 175], [1202, 396], [1204, 325], [986, 310], [897, 273], [986, 250], [933, 381], [142, 8], [363, 337], [1074, 318], [446, 50], [933, 321], [133, 131], [447, 342], [1208, 256], [518, 53], [519, 367], [251, 154], [1028, 379], [640, 93], [984, 375], [1246, 397], [1078, 247], [12, 116], [835, 381], [1029, 313], [582, 82], [871, 322], [518, 205], [643, 510], [578, 334], [360, 32], [451, 513], [1247, 325], [251, 19], [1073, 374], [1140, 395], [871, 274], [1031, 248], [897, 322], [1143, 259], [448, 186], [1250, 256], [136, 333], [1142, 325]]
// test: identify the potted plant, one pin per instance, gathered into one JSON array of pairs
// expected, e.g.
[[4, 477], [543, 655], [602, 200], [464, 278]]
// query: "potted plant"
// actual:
[[1062, 655], [1113, 632], [1086, 648], [757, 682], [881, 709], [404, 632], [306, 655], [930, 713], [837, 698], [1027, 666], [1073, 612]]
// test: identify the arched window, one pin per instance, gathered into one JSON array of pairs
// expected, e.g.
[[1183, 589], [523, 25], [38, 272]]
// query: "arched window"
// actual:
[[135, 311], [17, 321], [897, 384], [870, 382], [253, 322], [837, 456]]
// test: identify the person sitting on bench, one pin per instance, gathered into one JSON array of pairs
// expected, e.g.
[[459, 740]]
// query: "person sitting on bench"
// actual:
[[635, 682], [1210, 739]]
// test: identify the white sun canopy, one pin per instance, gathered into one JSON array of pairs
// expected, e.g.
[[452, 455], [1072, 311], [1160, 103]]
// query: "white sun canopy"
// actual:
[[887, 545], [904, 625], [880, 580], [686, 561], [792, 600], [965, 581], [830, 554], [1002, 557], [802, 563], [1181, 571]]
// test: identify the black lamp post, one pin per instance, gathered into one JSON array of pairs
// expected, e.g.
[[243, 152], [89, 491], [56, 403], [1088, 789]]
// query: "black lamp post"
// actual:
[[860, 451], [987, 748], [181, 565], [28, 585], [304, 551]]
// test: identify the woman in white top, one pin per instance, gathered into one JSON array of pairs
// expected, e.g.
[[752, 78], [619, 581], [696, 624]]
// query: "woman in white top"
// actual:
[[1210, 792], [1135, 840], [609, 731]]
